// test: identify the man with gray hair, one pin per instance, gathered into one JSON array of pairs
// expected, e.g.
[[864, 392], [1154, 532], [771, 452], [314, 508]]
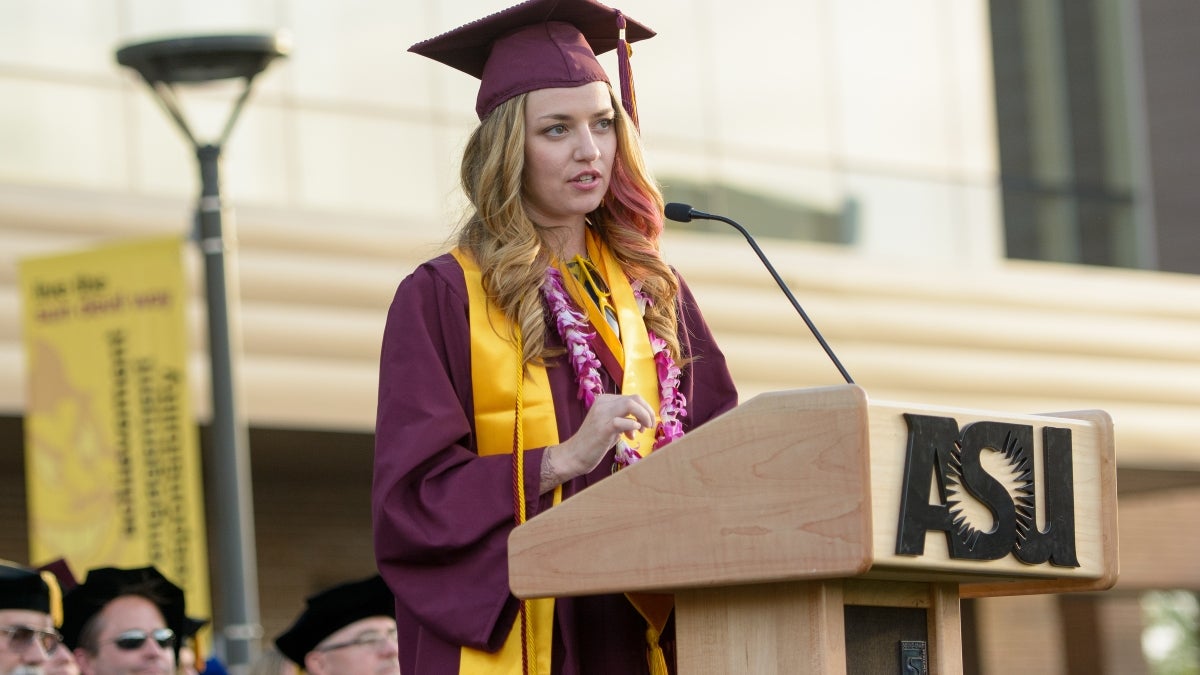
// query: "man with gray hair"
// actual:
[[349, 629], [28, 602]]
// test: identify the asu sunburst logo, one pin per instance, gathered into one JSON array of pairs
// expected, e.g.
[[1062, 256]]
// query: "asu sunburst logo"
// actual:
[[1012, 467], [986, 502]]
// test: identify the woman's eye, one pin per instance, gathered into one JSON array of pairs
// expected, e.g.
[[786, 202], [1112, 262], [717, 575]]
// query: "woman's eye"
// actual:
[[556, 130], [606, 123]]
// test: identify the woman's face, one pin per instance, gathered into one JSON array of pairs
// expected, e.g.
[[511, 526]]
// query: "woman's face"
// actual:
[[570, 143]]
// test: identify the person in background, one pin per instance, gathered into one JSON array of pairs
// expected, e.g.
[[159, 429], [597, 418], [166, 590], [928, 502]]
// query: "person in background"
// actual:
[[62, 661], [28, 604], [124, 622], [348, 629], [552, 347]]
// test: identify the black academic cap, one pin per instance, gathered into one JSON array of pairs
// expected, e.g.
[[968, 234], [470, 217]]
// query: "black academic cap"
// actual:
[[333, 609], [191, 626], [538, 44], [106, 584], [23, 588]]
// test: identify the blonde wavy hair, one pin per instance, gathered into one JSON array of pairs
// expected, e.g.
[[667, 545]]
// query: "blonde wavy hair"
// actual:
[[512, 251]]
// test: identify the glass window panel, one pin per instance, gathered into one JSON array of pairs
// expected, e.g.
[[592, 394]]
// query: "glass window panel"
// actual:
[[905, 217], [256, 156], [671, 71], [157, 18], [61, 133], [368, 164], [782, 199], [357, 51], [453, 93], [892, 63], [72, 35], [972, 88], [771, 76], [678, 163]]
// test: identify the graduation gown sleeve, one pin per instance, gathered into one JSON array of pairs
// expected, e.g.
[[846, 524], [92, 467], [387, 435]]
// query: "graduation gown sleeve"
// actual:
[[442, 513]]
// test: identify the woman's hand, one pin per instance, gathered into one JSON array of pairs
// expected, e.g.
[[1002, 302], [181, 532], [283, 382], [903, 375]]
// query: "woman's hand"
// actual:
[[610, 417]]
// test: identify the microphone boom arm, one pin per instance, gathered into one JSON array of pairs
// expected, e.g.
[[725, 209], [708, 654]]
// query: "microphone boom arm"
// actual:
[[676, 212]]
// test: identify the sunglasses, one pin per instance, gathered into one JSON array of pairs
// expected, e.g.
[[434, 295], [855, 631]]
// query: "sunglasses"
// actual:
[[134, 639], [21, 638]]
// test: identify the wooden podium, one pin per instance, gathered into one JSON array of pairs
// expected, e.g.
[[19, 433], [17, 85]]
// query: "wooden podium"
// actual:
[[815, 531]]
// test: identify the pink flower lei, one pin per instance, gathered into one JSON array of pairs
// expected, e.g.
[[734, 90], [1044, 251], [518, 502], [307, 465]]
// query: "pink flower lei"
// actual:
[[573, 328]]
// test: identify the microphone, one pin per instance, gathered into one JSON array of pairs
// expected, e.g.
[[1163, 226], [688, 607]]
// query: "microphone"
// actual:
[[684, 213]]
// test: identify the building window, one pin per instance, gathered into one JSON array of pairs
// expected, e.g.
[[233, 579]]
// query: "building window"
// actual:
[[1062, 115]]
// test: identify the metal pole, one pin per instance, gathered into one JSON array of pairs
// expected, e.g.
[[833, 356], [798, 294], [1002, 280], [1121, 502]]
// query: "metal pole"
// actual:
[[238, 628]]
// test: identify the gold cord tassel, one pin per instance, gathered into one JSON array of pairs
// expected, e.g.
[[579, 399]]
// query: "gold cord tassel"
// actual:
[[56, 608], [528, 648], [654, 653]]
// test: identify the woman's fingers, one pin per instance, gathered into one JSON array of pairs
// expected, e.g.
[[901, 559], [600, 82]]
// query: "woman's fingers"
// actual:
[[626, 409], [642, 411], [610, 417]]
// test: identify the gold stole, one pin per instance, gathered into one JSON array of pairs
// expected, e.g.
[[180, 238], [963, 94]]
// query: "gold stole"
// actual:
[[495, 367]]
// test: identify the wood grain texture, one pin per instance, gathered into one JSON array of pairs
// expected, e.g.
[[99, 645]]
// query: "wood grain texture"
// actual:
[[775, 629], [774, 490], [945, 630]]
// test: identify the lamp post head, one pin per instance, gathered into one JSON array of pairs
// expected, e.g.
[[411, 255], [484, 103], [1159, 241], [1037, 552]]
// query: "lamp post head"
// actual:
[[200, 59], [203, 58]]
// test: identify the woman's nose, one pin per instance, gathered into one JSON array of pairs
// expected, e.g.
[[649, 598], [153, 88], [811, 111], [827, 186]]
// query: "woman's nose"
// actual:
[[587, 150]]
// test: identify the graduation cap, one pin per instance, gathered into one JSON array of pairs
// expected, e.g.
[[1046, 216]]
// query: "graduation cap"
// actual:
[[539, 44], [105, 584], [23, 588], [191, 626], [62, 572], [333, 609]]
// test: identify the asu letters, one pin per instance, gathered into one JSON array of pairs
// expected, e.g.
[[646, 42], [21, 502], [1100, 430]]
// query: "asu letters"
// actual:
[[938, 449]]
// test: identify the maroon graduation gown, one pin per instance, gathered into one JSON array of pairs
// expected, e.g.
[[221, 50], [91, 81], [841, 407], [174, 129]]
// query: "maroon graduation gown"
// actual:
[[442, 513]]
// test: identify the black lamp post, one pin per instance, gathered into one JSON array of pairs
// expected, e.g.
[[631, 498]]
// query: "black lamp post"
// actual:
[[192, 60]]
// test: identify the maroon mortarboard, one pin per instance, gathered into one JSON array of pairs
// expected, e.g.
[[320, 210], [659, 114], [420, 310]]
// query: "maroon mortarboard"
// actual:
[[539, 44], [61, 571]]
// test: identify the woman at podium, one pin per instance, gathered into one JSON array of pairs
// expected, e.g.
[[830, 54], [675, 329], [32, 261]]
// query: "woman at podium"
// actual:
[[550, 348]]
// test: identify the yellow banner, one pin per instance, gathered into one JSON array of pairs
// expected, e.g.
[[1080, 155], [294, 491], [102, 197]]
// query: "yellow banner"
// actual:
[[112, 463]]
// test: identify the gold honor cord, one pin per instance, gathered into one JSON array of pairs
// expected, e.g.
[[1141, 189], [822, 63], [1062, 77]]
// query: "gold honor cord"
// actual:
[[505, 407]]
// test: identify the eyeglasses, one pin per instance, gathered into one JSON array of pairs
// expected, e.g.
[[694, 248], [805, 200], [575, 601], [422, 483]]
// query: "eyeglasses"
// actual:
[[21, 638], [134, 639], [370, 639]]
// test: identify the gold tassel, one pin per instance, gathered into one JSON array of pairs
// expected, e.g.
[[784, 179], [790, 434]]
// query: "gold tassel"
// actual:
[[654, 653], [528, 648], [56, 610]]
